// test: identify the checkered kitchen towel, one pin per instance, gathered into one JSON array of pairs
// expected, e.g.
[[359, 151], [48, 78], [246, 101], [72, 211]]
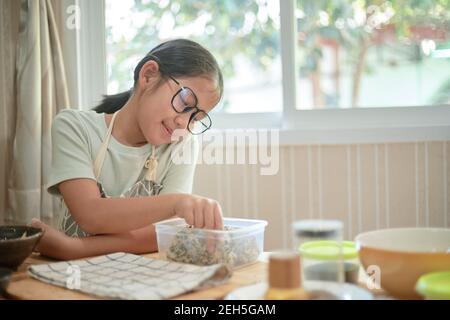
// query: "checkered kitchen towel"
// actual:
[[128, 276]]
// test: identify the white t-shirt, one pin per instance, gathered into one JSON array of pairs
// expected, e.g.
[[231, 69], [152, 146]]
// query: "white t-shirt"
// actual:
[[76, 139]]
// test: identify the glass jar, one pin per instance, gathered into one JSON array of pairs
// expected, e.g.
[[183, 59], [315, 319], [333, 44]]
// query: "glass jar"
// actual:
[[315, 230], [330, 261], [307, 231]]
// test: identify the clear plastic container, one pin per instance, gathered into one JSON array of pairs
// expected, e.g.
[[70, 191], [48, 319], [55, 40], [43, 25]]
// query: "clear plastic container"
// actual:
[[330, 261], [241, 242]]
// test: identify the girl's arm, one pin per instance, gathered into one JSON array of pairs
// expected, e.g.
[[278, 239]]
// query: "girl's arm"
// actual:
[[137, 241], [98, 215]]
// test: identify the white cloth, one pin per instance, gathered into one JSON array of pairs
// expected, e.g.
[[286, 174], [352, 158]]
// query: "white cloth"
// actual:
[[128, 276]]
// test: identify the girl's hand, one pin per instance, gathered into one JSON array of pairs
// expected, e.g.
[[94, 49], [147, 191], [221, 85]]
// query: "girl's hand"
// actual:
[[199, 212]]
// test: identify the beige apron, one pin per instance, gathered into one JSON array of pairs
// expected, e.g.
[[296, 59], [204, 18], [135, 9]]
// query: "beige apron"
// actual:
[[145, 187]]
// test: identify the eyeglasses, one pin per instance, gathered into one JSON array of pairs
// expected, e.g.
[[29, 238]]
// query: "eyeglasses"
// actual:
[[184, 101]]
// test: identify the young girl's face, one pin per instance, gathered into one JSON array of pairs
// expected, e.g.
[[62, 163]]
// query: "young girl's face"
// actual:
[[156, 116]]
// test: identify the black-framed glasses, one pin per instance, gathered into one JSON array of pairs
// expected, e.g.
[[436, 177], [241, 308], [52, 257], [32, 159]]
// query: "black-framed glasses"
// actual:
[[185, 100]]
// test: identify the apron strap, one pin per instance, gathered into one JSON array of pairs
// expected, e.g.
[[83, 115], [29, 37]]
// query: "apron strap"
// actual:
[[151, 164], [99, 159]]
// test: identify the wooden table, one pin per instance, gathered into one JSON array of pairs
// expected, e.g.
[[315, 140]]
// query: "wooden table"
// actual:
[[22, 286]]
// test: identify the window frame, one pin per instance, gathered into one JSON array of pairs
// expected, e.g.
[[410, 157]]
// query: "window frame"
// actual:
[[318, 126]]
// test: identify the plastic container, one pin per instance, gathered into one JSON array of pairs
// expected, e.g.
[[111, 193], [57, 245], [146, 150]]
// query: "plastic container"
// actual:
[[240, 244], [434, 286], [326, 261]]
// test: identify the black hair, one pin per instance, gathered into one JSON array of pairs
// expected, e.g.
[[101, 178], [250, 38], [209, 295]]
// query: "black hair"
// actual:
[[176, 58]]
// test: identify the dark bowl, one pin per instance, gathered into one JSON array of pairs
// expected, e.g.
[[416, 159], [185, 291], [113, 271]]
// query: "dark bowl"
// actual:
[[5, 276], [17, 243]]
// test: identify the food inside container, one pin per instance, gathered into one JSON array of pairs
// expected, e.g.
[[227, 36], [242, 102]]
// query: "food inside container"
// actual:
[[238, 244]]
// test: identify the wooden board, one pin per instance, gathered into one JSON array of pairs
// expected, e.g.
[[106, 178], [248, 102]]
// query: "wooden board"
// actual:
[[22, 286]]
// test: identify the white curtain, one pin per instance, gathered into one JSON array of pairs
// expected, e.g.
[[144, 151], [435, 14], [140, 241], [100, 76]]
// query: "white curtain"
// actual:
[[9, 30], [41, 92]]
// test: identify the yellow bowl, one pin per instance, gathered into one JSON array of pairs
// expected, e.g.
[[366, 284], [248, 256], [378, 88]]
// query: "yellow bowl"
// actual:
[[403, 255]]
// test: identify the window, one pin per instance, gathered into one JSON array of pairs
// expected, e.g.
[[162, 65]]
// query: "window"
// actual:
[[350, 53], [373, 53], [243, 36], [300, 82]]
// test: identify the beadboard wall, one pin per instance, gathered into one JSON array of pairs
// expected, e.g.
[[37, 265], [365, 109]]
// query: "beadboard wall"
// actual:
[[367, 186]]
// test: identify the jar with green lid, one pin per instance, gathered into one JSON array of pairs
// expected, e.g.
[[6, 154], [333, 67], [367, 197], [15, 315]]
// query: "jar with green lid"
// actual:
[[335, 261]]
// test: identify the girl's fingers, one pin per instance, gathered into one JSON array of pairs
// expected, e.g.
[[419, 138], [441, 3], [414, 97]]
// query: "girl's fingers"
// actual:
[[210, 243], [218, 220], [209, 216], [209, 224], [189, 217], [201, 213], [199, 216]]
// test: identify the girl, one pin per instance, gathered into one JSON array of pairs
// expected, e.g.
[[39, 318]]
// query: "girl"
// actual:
[[113, 165]]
